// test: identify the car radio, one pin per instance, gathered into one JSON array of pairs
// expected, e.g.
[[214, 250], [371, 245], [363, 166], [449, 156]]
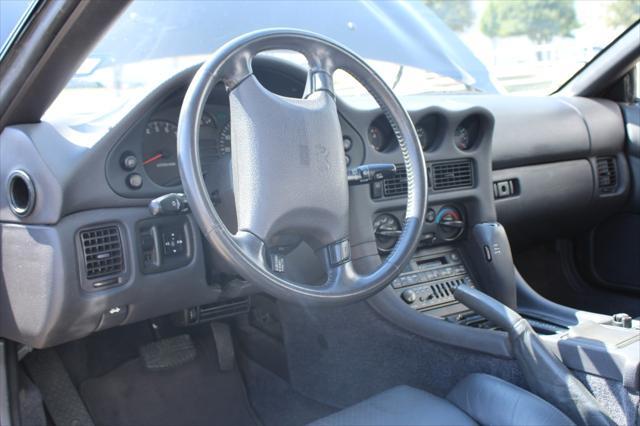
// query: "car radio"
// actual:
[[430, 279]]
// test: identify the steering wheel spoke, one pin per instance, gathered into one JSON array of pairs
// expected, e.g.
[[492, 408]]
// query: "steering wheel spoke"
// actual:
[[343, 279], [320, 73], [252, 246]]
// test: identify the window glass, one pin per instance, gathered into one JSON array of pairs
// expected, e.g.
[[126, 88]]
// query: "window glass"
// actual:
[[10, 13], [428, 46]]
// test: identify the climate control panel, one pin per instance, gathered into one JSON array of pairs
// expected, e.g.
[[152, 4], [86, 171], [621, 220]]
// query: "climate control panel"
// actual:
[[443, 224]]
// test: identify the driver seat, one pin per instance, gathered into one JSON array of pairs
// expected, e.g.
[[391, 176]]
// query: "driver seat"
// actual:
[[479, 399]]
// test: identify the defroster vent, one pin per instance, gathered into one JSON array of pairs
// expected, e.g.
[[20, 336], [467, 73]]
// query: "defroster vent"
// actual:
[[607, 174], [102, 251], [452, 175]]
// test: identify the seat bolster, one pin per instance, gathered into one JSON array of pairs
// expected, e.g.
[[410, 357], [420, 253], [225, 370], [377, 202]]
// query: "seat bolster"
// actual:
[[492, 401], [402, 405]]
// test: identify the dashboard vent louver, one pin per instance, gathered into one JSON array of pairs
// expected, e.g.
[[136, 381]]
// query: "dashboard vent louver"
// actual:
[[102, 251], [445, 290], [607, 174], [452, 175], [396, 185]]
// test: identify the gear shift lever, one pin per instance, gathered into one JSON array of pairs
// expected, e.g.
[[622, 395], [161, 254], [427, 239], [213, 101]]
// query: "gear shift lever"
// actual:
[[545, 374]]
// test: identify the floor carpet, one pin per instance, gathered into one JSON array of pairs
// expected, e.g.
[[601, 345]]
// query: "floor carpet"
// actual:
[[193, 394]]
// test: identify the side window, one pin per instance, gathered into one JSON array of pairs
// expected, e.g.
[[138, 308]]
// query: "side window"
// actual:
[[10, 14], [636, 79]]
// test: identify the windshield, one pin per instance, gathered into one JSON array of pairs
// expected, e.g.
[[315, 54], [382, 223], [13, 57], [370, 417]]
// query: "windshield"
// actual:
[[429, 46]]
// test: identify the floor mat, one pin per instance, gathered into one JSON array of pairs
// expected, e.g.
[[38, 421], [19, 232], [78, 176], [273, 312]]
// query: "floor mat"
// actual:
[[193, 394], [275, 401]]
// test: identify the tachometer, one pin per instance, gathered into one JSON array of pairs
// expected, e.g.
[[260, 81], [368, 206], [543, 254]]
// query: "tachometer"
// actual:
[[159, 149]]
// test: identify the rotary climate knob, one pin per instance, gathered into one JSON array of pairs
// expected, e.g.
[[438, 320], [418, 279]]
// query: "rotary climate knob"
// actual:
[[387, 229], [450, 223], [409, 296]]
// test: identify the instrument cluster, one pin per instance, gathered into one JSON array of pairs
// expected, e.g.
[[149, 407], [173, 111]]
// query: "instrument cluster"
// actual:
[[145, 163], [159, 143]]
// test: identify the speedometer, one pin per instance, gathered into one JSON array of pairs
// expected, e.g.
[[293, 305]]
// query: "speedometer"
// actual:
[[224, 140]]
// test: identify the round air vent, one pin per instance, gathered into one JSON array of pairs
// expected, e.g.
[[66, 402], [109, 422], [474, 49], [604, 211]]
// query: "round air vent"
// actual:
[[21, 193]]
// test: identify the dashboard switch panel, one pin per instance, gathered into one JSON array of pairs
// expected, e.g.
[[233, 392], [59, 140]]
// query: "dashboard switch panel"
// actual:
[[505, 188], [164, 243], [173, 242]]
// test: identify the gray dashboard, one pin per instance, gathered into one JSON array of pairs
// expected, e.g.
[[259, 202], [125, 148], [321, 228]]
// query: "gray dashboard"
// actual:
[[546, 149]]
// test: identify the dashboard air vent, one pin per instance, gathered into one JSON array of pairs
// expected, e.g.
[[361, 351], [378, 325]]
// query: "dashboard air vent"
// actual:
[[396, 185], [607, 174], [452, 175], [102, 251]]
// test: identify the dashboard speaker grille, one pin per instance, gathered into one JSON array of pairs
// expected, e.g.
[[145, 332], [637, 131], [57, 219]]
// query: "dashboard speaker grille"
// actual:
[[607, 174], [452, 175], [396, 185], [102, 250]]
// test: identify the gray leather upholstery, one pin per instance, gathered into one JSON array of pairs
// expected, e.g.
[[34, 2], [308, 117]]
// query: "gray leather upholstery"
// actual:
[[479, 399], [402, 405], [490, 400]]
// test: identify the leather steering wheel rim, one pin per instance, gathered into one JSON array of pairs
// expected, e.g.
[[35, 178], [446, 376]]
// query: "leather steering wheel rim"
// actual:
[[313, 195]]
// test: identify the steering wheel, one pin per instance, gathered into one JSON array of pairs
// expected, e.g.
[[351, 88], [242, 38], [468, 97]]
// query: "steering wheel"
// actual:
[[289, 173]]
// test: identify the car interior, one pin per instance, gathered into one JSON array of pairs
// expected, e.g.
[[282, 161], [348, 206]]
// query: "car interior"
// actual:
[[246, 247]]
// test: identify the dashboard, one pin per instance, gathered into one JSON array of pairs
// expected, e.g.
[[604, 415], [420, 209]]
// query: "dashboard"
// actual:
[[531, 163]]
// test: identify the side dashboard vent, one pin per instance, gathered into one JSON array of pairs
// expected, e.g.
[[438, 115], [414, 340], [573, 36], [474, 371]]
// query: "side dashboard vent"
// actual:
[[452, 175], [607, 174], [102, 251], [396, 185]]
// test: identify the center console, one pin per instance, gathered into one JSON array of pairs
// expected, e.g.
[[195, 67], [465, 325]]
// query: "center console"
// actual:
[[428, 282], [608, 347]]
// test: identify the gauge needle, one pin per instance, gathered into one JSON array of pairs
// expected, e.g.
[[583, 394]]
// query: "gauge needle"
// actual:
[[152, 159]]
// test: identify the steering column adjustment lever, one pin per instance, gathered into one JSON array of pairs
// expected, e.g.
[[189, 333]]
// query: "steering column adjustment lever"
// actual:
[[169, 204], [370, 173]]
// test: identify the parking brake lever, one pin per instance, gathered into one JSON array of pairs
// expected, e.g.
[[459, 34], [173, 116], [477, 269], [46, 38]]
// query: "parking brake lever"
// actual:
[[545, 374]]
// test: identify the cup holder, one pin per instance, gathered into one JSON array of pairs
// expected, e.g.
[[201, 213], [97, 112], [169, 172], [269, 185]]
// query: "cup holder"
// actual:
[[21, 193]]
